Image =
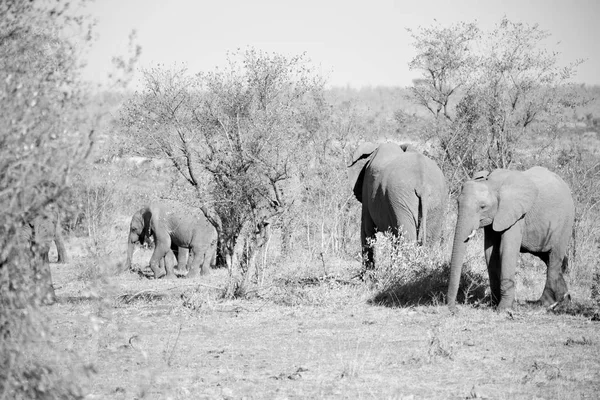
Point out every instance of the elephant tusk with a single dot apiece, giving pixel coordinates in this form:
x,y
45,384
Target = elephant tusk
x,y
471,235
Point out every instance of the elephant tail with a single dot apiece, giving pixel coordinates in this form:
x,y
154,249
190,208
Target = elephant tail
x,y
422,198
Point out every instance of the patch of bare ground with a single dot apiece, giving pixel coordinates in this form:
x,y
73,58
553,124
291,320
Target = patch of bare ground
x,y
311,338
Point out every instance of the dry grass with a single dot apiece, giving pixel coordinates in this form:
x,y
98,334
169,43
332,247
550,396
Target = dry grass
x,y
307,334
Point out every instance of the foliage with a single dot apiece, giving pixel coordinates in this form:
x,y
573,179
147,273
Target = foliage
x,y
579,166
504,84
444,56
39,146
408,274
237,136
45,136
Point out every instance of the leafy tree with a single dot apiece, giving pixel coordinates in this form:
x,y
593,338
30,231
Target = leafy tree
x,y
506,87
445,57
46,133
237,136
42,141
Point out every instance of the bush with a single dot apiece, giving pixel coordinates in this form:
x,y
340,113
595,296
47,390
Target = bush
x,y
407,274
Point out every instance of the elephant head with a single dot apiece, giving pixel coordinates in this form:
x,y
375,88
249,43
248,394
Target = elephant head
x,y
140,232
361,157
498,199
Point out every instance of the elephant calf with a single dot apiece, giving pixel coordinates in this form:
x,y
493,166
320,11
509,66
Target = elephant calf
x,y
139,234
400,190
174,229
520,211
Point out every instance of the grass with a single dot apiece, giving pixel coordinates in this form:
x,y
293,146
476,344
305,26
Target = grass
x,y
312,330
307,334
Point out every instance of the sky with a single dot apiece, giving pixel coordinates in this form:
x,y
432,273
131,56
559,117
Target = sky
x,y
352,43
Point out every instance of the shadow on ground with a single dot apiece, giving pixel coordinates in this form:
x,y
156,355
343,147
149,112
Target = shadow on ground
x,y
589,309
430,287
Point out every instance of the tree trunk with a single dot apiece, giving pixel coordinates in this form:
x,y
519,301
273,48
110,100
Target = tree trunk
x,y
60,246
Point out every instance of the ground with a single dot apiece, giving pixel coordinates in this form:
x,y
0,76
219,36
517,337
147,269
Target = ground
x,y
160,339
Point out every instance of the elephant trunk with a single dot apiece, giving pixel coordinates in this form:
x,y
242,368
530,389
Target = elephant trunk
x,y
133,239
464,231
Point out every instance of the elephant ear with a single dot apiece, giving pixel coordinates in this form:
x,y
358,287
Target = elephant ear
x,y
516,196
356,170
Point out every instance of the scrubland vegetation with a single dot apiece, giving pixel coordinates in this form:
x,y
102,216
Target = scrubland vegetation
x,y
262,148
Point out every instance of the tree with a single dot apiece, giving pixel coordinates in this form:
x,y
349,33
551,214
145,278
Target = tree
x,y
506,86
445,57
42,141
236,136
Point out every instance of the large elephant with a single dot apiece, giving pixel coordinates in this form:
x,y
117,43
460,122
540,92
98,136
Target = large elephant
x,y
172,227
400,190
528,211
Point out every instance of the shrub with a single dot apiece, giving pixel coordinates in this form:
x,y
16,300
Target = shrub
x,y
408,274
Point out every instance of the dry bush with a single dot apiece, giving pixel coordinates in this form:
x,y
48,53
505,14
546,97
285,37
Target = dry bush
x,y
407,274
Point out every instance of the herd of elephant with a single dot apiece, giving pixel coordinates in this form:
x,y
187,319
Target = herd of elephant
x,y
405,192
532,211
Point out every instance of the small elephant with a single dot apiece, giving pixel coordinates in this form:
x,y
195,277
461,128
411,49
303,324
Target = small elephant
x,y
139,234
400,190
528,211
173,226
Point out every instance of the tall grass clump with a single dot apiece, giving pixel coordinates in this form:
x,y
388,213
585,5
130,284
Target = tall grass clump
x,y
407,274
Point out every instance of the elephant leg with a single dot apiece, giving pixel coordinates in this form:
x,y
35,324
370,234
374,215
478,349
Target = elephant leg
x,y
160,250
555,289
510,245
492,259
182,258
367,234
169,261
199,256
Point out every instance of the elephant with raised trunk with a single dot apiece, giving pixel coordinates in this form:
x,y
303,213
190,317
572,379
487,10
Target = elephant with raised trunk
x,y
173,227
528,211
400,190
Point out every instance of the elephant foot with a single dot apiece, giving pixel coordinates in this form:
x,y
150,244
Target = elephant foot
x,y
505,305
159,274
551,302
192,274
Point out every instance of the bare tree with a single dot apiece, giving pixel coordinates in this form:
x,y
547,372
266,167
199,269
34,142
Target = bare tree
x,y
235,135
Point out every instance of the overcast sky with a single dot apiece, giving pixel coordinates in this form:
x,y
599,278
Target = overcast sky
x,y
356,43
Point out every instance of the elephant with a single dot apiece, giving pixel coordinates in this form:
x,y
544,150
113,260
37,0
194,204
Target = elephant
x,y
528,211
173,227
400,190
139,233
